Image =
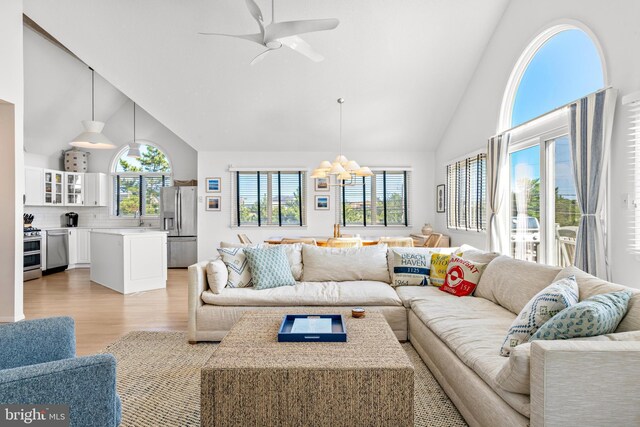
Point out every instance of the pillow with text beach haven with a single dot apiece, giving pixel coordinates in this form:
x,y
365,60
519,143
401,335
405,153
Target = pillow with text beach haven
x,y
462,276
438,271
410,267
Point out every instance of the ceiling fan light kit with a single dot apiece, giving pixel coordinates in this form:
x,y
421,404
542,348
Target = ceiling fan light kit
x,y
92,137
344,170
277,34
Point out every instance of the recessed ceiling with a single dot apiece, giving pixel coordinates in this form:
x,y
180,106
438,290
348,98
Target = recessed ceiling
x,y
402,67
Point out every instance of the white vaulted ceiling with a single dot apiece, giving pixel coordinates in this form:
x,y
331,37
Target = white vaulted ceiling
x,y
402,67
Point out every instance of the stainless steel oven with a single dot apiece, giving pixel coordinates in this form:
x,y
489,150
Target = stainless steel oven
x,y
32,257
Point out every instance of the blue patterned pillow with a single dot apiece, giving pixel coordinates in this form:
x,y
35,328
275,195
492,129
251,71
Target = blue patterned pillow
x,y
597,315
543,306
236,262
269,267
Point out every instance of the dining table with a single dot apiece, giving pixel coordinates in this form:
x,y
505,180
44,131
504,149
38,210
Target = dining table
x,y
322,240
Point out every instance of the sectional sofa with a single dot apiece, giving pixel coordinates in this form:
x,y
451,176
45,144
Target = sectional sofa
x,y
591,381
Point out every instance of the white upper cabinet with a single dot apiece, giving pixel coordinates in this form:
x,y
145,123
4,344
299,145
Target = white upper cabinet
x,y
74,189
33,194
96,189
53,187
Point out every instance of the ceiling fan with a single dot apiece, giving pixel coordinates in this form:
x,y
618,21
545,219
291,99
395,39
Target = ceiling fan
x,y
277,34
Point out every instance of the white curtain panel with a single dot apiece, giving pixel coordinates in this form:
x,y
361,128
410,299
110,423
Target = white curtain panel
x,y
497,189
591,122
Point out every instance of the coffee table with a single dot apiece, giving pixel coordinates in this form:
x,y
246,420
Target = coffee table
x,y
253,380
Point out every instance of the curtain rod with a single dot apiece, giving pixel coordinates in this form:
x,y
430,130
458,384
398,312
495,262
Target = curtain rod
x,y
555,110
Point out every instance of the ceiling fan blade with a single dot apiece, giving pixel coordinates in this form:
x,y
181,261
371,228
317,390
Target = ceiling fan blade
x,y
302,47
255,11
260,57
257,38
278,30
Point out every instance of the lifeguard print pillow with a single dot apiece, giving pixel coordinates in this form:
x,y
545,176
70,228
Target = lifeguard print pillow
x,y
462,276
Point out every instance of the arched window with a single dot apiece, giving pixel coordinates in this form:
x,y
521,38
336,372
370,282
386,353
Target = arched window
x,y
561,65
137,181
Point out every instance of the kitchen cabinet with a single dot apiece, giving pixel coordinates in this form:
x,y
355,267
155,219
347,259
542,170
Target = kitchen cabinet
x,y
53,188
79,246
83,246
74,189
73,246
96,186
33,184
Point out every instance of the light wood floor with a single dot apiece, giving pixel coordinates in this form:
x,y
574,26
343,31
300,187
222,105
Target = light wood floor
x,y
103,315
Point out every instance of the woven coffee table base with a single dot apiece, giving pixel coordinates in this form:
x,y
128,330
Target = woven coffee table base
x,y
252,380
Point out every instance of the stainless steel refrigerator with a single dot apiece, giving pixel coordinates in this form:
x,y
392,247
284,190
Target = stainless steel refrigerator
x,y
179,216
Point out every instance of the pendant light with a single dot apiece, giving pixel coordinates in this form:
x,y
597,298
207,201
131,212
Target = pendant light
x,y
134,147
92,137
344,170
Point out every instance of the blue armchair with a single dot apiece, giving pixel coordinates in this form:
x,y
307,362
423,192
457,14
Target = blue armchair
x,y
38,365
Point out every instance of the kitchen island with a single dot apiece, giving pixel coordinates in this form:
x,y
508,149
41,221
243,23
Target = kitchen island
x,y
129,260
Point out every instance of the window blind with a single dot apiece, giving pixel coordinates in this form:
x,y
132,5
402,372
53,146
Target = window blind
x,y
633,106
269,198
467,194
378,200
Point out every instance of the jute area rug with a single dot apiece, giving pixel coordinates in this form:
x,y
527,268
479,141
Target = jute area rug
x,y
159,382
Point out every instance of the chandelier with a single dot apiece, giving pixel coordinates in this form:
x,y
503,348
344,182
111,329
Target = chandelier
x,y
343,170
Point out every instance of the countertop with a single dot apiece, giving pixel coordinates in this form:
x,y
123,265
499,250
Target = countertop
x,y
99,228
128,231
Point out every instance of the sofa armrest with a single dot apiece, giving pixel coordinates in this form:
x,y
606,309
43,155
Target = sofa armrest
x,y
37,341
585,383
86,384
197,285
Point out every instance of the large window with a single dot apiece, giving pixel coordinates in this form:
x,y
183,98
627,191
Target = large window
x,y
467,194
269,198
562,65
378,200
137,182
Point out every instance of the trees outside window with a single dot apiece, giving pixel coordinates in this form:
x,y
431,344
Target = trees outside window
x,y
137,182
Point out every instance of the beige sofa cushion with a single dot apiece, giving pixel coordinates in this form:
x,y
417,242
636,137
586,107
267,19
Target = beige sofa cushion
x,y
345,264
408,294
512,283
365,293
217,275
473,328
590,285
514,375
294,256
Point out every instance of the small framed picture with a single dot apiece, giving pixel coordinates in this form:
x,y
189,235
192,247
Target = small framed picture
x,y
322,184
213,203
322,203
441,198
213,185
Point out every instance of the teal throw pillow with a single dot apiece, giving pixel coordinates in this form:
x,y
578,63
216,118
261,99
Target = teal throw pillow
x,y
269,267
597,315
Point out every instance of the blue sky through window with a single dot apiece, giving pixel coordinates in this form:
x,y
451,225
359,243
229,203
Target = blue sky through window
x,y
565,68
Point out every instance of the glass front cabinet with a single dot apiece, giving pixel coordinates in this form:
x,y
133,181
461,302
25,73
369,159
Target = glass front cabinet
x,y
74,189
53,187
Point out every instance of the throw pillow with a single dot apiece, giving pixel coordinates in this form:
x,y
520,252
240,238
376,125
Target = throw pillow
x,y
269,267
217,275
462,276
410,267
439,263
294,255
236,262
542,307
597,315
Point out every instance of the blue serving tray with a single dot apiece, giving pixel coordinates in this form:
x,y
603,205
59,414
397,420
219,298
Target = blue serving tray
x,y
338,334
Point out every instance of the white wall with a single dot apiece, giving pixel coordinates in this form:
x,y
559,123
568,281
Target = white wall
x,y
615,24
11,161
214,227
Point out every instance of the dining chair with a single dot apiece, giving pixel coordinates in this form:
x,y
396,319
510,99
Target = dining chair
x,y
397,242
305,240
433,241
244,239
344,242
